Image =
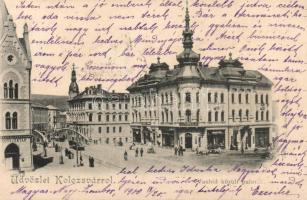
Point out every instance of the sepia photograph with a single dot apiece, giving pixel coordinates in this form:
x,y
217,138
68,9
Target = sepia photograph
x,y
163,99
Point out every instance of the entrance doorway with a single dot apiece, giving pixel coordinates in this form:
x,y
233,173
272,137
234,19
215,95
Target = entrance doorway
x,y
12,152
188,140
262,137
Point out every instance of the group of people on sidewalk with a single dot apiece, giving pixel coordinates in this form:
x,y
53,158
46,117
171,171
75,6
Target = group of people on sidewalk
x,y
178,150
136,153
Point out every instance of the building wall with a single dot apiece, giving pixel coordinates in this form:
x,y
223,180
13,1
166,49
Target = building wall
x,y
204,99
15,71
102,119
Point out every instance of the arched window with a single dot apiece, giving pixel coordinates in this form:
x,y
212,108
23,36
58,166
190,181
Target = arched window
x,y
222,97
166,116
197,115
90,117
171,114
209,116
188,115
132,117
256,98
246,98
267,99
11,89
215,97
257,115
261,99
188,97
8,120
5,90
162,98
16,91
233,115
240,98
222,116
240,114
247,115
216,116
14,121
262,115
267,115
166,98
140,117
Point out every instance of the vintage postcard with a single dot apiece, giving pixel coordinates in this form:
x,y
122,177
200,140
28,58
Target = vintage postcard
x,y
153,99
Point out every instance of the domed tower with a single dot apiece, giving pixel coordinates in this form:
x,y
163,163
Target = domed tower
x,y
73,87
188,60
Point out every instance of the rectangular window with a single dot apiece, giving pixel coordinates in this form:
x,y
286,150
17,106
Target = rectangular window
x,y
119,106
119,118
197,97
107,118
126,106
107,106
90,106
209,97
113,117
99,118
114,129
99,106
222,97
99,129
120,129
113,106
126,117
108,129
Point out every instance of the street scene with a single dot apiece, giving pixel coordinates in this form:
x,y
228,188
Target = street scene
x,y
186,114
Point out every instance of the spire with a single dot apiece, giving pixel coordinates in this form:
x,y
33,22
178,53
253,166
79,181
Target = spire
x,y
3,16
73,88
73,74
187,33
188,56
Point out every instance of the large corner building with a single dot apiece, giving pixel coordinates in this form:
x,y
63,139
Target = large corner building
x,y
99,115
202,107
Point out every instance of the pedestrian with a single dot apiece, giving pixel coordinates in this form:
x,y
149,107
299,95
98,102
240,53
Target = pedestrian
x,y
141,152
176,150
126,155
136,152
181,150
81,161
90,161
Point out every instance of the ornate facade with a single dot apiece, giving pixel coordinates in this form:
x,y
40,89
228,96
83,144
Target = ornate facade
x,y
15,126
202,107
100,115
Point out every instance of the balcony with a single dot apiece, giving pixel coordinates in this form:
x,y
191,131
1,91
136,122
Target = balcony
x,y
188,123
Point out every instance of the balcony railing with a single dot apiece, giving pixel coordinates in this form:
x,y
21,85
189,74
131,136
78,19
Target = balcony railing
x,y
188,123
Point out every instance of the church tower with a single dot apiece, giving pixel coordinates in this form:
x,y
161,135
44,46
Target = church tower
x,y
73,87
15,76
